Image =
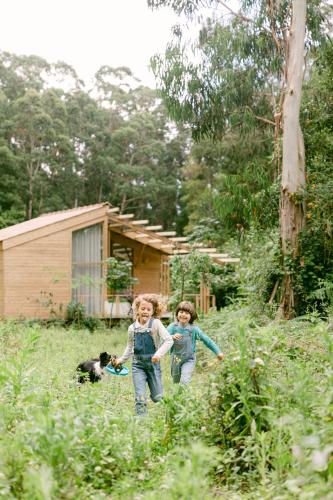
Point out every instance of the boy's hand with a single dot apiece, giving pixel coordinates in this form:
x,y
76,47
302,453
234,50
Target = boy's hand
x,y
155,359
177,336
220,356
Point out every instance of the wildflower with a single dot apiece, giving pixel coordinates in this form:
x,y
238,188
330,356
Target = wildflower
x,y
259,361
320,458
297,451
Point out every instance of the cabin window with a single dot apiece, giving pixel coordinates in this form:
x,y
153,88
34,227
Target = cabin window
x,y
87,272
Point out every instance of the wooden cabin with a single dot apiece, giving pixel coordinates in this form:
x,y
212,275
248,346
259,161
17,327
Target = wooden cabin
x,y
59,257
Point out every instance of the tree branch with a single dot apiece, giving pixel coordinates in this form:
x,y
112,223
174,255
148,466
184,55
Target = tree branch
x,y
236,14
241,16
265,120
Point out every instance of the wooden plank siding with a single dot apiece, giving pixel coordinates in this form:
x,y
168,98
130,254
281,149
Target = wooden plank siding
x,y
1,283
106,254
146,265
38,277
165,277
148,274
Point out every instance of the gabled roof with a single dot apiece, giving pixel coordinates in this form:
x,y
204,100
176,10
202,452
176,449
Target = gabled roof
x,y
165,241
45,220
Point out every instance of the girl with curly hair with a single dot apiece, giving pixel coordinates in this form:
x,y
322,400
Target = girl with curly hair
x,y
148,341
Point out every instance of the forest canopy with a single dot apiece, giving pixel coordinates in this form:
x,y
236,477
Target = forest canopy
x,y
63,146
202,154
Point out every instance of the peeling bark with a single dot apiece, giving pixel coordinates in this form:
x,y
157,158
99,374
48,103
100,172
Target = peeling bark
x,y
293,159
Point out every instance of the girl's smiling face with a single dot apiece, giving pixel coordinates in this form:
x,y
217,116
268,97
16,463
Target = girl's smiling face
x,y
183,317
145,312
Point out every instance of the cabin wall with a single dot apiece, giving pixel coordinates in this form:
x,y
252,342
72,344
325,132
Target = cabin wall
x,y
146,265
1,281
37,277
147,268
37,273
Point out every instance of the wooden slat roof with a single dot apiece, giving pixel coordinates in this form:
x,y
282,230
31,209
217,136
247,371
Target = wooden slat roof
x,y
164,241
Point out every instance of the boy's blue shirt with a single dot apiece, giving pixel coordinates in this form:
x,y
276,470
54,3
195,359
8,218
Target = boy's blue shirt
x,y
197,334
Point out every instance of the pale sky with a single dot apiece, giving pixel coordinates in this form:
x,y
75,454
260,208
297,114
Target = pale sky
x,y
87,33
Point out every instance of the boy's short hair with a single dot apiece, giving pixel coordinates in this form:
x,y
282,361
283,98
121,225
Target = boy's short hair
x,y
187,306
156,301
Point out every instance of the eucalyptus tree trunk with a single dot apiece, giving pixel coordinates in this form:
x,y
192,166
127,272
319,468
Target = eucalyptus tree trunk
x,y
293,161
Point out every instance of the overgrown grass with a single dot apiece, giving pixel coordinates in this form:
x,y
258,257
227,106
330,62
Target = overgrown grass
x,y
258,425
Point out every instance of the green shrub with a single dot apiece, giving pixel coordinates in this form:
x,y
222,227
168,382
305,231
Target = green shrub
x,y
75,312
76,316
119,274
182,417
239,397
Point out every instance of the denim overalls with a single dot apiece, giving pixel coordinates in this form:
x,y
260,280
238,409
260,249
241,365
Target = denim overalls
x,y
182,356
144,370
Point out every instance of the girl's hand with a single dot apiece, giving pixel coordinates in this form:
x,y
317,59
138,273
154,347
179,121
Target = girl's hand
x,y
177,336
220,356
116,362
155,359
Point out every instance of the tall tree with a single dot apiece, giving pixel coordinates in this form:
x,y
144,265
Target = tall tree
x,y
256,58
34,126
62,146
146,149
37,140
292,210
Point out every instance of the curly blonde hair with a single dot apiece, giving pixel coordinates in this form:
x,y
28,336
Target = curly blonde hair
x,y
156,301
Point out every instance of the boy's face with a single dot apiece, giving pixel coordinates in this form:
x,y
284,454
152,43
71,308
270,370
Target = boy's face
x,y
183,316
145,312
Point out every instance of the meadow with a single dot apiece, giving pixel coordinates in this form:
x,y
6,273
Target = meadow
x,y
257,425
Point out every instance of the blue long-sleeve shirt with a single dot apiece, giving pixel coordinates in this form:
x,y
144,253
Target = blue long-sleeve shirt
x,y
197,334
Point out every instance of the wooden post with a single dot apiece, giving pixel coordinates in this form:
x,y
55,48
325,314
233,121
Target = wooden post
x,y
105,255
117,309
203,298
165,278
